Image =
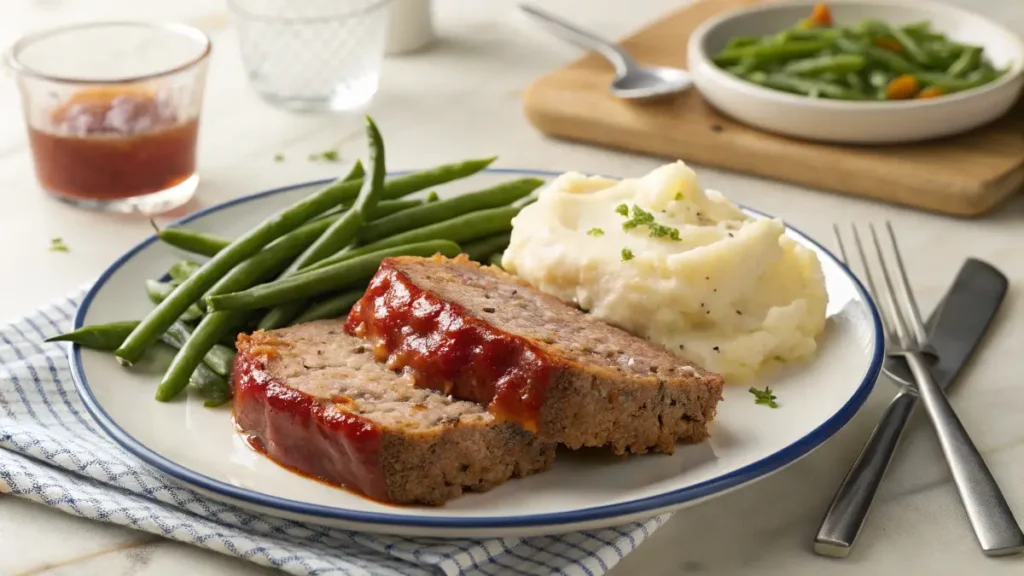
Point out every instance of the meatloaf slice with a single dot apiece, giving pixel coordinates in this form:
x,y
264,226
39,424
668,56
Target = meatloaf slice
x,y
481,334
314,400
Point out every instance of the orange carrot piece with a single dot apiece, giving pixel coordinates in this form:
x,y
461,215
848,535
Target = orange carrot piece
x,y
889,44
821,15
930,92
901,88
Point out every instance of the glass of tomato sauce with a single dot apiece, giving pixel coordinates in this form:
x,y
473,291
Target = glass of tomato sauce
x,y
112,110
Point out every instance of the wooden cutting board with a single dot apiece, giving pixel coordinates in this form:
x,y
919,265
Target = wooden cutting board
x,y
966,175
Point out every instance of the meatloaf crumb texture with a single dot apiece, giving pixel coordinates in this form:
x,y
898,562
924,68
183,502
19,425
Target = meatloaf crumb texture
x,y
313,399
486,336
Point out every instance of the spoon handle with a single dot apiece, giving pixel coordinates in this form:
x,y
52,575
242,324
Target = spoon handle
x,y
622,62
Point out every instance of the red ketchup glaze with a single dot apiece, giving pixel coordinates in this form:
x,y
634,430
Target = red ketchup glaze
x,y
304,434
448,349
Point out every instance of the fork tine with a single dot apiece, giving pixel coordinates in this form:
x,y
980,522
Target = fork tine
x,y
870,281
898,323
839,241
908,295
868,277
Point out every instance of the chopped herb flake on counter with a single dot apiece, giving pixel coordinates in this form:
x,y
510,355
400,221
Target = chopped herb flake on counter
x,y
57,245
766,397
627,254
279,157
595,232
325,156
623,210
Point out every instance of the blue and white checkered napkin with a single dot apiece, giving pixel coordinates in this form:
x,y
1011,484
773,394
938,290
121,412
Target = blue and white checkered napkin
x,y
52,452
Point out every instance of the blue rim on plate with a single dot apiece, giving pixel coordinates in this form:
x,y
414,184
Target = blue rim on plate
x,y
722,483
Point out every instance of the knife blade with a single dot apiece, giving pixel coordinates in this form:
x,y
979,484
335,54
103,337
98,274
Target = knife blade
x,y
955,328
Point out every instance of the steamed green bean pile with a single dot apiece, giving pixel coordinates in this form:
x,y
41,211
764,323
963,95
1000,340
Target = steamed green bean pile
x,y
309,261
870,60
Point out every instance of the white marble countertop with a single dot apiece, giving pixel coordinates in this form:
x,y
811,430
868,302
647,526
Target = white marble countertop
x,y
461,98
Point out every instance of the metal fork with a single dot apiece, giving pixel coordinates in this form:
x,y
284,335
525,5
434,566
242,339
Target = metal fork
x,y
993,522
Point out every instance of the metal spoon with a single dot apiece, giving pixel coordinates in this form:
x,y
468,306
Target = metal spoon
x,y
632,81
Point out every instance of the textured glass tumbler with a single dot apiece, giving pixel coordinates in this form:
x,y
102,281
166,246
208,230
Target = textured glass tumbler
x,y
313,55
112,110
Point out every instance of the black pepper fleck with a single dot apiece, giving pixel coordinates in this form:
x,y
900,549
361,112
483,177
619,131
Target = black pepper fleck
x,y
680,346
730,235
717,128
738,313
715,348
488,309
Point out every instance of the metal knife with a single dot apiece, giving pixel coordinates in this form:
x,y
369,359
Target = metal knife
x,y
955,328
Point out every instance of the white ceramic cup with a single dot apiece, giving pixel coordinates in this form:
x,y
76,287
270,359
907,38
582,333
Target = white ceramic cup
x,y
410,26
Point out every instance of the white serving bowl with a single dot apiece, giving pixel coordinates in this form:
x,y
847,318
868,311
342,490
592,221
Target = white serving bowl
x,y
841,121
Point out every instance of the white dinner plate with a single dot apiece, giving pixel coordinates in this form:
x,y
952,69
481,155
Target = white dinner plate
x,y
199,447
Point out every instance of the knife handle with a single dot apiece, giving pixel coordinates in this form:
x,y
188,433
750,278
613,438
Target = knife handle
x,y
990,515
852,501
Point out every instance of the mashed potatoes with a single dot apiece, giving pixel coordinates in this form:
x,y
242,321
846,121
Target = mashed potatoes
x,y
678,265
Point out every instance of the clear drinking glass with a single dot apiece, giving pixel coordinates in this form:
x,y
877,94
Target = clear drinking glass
x,y
112,110
313,55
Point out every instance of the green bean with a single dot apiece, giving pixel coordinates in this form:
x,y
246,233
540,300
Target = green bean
x,y
277,225
344,229
745,66
807,86
839,64
158,291
911,47
201,243
105,337
341,233
495,259
480,249
181,270
741,41
856,83
212,327
769,52
951,84
792,34
216,326
494,197
332,307
942,54
968,61
211,386
219,357
208,382
465,228
325,280
209,244
884,57
924,26
879,78
355,173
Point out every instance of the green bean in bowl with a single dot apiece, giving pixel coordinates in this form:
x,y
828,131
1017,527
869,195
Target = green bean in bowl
x,y
870,60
